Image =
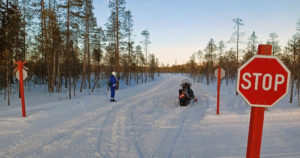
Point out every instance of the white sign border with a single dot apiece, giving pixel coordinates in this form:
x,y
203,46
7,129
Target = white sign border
x,y
24,74
216,72
263,56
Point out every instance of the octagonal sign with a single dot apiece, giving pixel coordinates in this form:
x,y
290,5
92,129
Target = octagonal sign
x,y
263,81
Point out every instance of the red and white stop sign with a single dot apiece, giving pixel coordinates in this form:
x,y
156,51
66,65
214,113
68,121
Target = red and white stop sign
x,y
263,81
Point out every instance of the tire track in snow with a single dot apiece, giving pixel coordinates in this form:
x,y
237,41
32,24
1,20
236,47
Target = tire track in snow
x,y
61,135
204,102
170,138
123,107
133,130
52,135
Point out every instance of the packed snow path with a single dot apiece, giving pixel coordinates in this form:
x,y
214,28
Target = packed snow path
x,y
145,122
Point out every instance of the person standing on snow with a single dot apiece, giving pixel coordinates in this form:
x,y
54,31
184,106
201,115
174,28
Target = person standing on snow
x,y
113,84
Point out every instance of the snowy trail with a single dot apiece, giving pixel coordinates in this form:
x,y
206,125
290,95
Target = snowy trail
x,y
121,137
56,129
145,123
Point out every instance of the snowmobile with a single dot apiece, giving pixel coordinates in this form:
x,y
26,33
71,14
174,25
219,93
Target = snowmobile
x,y
186,94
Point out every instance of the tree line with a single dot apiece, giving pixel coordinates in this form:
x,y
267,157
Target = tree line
x,y
63,44
203,63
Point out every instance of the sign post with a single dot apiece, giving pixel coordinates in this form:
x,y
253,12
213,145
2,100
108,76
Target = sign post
x,y
219,73
262,81
21,77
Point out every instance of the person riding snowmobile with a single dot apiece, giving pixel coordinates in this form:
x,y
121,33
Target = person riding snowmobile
x,y
186,94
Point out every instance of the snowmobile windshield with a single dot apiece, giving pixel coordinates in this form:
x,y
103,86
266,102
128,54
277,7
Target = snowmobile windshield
x,y
185,82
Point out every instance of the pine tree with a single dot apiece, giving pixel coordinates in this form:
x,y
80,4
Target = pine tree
x,y
298,62
97,44
11,39
27,20
71,10
274,42
90,24
49,42
293,47
140,62
117,13
128,29
237,34
231,65
110,58
192,66
146,41
55,53
2,44
221,48
210,56
251,47
152,65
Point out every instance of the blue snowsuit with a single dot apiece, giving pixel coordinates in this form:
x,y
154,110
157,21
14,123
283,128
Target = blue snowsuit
x,y
113,85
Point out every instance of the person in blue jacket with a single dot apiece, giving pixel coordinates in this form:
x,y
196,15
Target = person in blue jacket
x,y
113,84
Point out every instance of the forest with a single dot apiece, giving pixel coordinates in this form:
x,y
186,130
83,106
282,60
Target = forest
x,y
63,45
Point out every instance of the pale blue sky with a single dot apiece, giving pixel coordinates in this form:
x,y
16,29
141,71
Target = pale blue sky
x,y
178,28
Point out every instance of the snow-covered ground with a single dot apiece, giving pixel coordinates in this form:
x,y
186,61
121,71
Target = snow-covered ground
x,y
144,122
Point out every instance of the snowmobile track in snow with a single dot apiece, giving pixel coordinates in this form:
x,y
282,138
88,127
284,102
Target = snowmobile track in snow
x,y
53,137
120,115
171,136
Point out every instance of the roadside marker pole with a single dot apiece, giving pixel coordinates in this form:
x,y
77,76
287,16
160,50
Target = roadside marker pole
x,y
218,97
20,69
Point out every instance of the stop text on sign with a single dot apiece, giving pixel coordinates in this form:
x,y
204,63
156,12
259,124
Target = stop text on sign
x,y
263,81
268,81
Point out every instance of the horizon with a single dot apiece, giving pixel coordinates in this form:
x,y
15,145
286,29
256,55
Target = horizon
x,y
178,29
